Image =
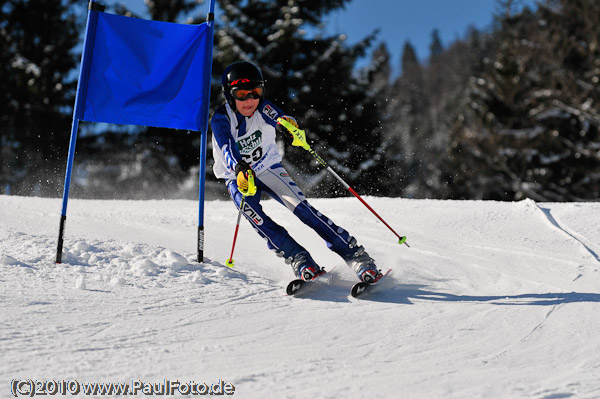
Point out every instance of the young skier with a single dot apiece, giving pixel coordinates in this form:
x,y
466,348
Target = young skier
x,y
244,139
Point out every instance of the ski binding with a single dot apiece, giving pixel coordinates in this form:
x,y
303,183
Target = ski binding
x,y
361,287
296,285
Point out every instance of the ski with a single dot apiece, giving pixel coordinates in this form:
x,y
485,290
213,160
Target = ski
x,y
361,287
296,285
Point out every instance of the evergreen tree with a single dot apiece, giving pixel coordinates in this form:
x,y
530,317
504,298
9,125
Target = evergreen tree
x,y
570,158
412,83
493,148
446,82
379,74
536,106
379,70
405,126
311,77
170,10
37,38
435,48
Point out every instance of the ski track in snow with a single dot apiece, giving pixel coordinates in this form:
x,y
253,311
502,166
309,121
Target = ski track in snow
x,y
494,300
577,237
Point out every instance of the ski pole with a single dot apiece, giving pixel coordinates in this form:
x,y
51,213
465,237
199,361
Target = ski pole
x,y
300,141
250,191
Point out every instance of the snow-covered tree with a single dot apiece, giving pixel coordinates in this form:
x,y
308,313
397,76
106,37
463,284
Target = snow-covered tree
x,y
37,38
536,106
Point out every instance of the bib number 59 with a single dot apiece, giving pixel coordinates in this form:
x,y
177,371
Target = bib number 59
x,y
256,155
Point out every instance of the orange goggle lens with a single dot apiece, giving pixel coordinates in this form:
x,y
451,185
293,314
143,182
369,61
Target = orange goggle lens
x,y
244,94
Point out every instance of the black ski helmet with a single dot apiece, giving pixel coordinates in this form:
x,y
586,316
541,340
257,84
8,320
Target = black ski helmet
x,y
242,74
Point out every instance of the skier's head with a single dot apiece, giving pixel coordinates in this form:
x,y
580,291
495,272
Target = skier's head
x,y
242,81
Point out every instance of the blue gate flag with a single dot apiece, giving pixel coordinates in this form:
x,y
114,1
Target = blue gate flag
x,y
148,73
140,72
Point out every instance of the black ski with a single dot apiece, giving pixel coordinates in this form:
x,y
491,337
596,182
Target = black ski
x,y
296,285
360,288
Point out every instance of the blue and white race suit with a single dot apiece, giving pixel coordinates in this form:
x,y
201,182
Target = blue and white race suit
x,y
236,137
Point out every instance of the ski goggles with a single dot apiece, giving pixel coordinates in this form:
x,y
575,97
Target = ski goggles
x,y
244,94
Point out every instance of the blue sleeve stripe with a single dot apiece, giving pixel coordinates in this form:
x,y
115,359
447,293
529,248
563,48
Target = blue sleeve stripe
x,y
229,157
222,133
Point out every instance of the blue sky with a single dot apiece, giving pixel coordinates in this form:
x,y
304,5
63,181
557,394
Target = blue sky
x,y
414,20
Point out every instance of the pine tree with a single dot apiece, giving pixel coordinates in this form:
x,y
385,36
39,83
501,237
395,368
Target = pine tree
x,y
405,126
379,74
379,70
37,38
570,159
446,81
312,77
499,148
536,106
435,48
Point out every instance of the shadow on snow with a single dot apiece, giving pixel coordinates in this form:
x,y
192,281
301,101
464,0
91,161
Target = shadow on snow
x,y
406,293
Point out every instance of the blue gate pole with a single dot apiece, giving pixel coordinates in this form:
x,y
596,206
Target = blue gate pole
x,y
210,20
88,44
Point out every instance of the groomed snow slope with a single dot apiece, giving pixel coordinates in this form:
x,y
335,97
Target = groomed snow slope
x,y
492,300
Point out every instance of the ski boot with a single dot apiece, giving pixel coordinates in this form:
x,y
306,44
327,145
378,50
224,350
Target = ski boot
x,y
305,267
364,265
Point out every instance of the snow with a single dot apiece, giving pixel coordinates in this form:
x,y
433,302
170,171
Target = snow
x,y
491,300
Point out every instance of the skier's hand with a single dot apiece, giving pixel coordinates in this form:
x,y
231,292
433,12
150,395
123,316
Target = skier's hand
x,y
282,129
241,171
290,120
291,126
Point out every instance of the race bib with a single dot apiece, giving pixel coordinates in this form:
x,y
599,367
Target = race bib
x,y
250,147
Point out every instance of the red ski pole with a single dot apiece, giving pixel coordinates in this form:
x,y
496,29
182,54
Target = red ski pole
x,y
251,191
300,141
